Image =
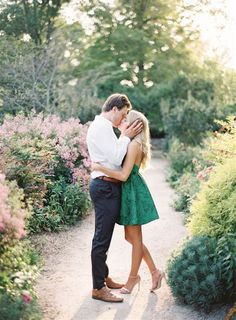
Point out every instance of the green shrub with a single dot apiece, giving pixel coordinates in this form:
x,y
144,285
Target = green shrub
x,y
65,205
189,120
36,152
29,160
180,158
203,271
13,212
18,267
213,212
222,144
186,189
18,260
17,309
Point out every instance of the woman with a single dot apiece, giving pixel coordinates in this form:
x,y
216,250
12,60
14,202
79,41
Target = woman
x,y
137,206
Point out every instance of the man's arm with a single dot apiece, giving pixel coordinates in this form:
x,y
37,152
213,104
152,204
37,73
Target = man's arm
x,y
110,147
124,173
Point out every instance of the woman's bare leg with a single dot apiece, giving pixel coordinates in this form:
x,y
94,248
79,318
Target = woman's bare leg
x,y
133,234
148,259
146,256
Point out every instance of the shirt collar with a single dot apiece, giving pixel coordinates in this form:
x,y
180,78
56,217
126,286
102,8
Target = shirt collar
x,y
101,118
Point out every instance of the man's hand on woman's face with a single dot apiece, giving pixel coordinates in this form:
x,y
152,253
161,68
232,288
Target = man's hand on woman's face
x,y
135,128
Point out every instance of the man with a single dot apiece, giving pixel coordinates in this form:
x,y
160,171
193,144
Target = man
x,y
104,147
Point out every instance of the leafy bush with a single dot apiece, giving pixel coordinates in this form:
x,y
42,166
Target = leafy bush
x,y
222,144
18,269
180,159
38,152
186,189
213,212
203,271
180,87
18,308
189,120
12,211
29,160
65,204
18,261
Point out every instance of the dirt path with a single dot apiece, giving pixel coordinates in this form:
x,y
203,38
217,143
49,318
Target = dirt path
x,y
65,284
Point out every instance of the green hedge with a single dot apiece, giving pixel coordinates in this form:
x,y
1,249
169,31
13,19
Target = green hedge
x,y
203,271
213,212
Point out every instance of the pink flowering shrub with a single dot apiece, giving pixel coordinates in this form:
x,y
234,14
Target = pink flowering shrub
x,y
18,267
19,270
12,211
39,151
67,138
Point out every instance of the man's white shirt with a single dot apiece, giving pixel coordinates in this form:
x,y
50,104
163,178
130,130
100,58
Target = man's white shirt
x,y
103,145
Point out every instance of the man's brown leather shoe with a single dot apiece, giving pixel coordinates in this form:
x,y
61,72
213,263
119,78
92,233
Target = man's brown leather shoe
x,y
105,295
113,285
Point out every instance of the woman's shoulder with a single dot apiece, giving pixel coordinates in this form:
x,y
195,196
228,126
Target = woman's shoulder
x,y
134,145
134,148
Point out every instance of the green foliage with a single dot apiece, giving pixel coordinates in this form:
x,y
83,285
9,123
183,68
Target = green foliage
x,y
65,204
49,160
15,309
139,38
202,273
29,160
18,260
213,212
138,43
180,158
14,212
224,85
186,189
19,267
222,145
148,102
183,86
36,18
188,120
62,199
30,77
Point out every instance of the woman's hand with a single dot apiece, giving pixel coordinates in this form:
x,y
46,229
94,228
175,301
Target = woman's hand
x,y
95,166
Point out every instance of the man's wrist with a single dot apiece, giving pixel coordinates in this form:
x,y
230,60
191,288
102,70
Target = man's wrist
x,y
124,136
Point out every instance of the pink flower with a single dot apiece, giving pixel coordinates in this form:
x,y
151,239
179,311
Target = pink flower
x,y
26,297
200,175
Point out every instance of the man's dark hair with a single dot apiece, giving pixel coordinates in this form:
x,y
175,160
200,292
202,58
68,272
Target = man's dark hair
x,y
116,100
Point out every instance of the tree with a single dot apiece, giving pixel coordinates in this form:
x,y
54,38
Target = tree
x,y
28,76
33,17
149,41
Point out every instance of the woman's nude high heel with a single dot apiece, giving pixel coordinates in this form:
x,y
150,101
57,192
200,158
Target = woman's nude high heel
x,y
157,277
135,280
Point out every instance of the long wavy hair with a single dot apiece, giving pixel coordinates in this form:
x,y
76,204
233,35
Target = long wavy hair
x,y
143,137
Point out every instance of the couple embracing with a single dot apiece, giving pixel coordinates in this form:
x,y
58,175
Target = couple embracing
x,y
119,193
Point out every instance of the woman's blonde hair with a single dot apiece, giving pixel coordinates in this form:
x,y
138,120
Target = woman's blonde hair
x,y
144,137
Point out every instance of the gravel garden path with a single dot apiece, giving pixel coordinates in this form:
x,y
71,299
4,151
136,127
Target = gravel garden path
x,y
64,286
